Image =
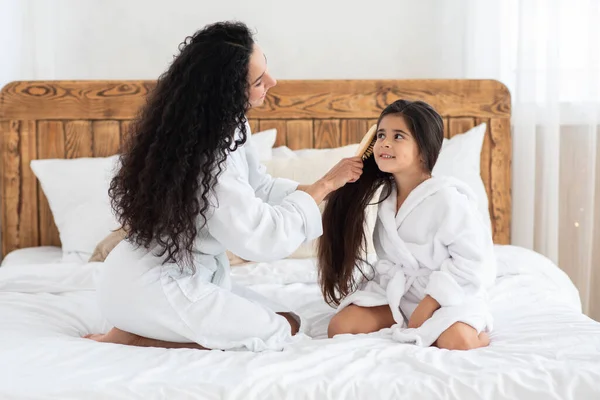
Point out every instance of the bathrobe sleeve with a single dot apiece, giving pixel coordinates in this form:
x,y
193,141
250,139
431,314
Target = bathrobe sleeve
x,y
248,226
470,267
269,189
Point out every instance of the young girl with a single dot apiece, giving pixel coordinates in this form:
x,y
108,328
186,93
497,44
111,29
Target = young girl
x,y
190,187
435,255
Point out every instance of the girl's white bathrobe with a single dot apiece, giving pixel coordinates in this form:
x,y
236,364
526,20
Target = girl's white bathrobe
x,y
254,216
437,245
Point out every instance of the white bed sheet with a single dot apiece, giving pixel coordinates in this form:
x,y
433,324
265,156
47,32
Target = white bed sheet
x,y
542,346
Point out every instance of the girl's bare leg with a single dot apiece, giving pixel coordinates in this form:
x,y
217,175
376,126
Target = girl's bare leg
x,y
355,319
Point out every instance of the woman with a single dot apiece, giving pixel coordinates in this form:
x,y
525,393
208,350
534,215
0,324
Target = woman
x,y
190,187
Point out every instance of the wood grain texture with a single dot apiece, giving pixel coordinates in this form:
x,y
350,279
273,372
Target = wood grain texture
x,y
446,128
78,139
353,130
485,160
4,131
291,99
107,138
50,144
11,184
126,127
367,98
299,134
83,100
28,234
500,178
67,119
327,134
460,125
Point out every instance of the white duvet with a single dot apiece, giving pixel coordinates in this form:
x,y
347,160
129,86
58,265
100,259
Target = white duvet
x,y
542,346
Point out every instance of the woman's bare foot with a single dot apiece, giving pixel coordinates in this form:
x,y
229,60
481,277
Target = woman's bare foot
x,y
118,336
95,336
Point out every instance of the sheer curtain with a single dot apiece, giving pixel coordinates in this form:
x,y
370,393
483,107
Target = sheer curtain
x,y
548,54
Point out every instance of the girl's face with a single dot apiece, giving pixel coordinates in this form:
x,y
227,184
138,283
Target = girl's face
x,y
259,79
395,150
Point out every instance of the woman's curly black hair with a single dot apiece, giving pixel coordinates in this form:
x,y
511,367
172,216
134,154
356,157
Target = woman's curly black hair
x,y
180,139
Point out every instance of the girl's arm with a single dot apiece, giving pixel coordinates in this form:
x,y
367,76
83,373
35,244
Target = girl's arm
x,y
423,312
470,267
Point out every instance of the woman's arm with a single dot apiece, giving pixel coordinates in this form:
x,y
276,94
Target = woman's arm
x,y
346,171
257,231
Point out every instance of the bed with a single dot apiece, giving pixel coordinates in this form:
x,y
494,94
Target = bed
x,y
542,345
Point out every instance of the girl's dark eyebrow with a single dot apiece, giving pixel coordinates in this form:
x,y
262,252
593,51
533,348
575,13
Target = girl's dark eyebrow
x,y
394,130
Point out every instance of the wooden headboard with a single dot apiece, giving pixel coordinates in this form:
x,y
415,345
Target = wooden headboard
x,y
69,119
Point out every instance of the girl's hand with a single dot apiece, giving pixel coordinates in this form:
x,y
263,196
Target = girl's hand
x,y
423,312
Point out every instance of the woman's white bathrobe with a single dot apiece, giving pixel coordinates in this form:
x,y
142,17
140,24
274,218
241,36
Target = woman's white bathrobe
x,y
254,216
435,245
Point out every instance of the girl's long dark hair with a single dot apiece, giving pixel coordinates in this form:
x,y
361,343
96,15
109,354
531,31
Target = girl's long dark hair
x,y
180,140
341,248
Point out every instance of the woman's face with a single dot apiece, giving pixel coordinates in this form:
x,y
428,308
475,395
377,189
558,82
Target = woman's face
x,y
259,79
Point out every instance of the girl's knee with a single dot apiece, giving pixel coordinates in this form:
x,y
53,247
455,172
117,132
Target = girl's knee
x,y
462,337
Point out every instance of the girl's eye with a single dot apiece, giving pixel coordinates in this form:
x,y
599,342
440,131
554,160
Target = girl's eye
x,y
380,136
398,136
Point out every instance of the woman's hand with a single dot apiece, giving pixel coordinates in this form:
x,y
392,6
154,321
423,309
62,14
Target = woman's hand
x,y
347,170
423,312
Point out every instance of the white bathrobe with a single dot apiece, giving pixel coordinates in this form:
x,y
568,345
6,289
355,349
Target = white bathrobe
x,y
254,216
435,245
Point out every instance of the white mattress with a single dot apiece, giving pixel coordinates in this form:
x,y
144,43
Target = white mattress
x,y
542,346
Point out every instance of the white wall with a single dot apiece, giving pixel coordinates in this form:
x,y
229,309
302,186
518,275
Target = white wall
x,y
310,39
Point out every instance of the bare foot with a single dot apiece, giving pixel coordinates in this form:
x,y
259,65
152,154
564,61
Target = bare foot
x,y
95,336
118,336
484,339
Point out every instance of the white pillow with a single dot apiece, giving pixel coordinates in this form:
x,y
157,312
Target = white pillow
x,y
263,142
308,165
461,158
77,192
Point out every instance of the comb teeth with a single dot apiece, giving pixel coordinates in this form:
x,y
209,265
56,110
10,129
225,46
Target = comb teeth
x,y
369,151
365,147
